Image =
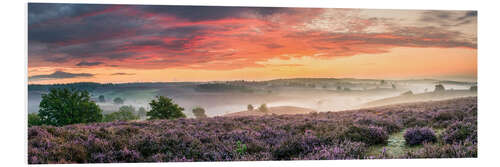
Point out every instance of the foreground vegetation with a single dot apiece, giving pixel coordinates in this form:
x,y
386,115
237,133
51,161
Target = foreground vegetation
x,y
435,129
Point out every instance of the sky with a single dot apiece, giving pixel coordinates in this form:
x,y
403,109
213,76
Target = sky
x,y
151,43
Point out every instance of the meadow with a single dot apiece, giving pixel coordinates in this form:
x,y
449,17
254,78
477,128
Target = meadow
x,y
435,129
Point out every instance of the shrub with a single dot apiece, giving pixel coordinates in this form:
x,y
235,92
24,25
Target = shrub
x,y
444,115
199,112
460,131
456,150
295,147
342,150
122,115
263,108
389,125
34,120
63,107
417,135
164,108
439,88
250,107
118,101
370,135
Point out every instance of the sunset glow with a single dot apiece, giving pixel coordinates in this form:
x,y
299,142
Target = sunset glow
x,y
139,43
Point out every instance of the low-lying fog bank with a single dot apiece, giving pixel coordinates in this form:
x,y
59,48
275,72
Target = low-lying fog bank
x,y
221,98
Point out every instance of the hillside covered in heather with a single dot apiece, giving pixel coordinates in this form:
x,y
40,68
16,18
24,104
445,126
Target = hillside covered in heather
x,y
436,129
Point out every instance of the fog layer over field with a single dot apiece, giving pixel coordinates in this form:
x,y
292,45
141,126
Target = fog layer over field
x,y
219,98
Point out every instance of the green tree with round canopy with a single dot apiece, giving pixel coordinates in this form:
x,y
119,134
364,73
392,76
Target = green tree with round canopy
x,y
199,112
64,106
164,108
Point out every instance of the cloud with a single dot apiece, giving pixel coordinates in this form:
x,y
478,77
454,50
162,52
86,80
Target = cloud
x,y
122,73
85,63
449,18
222,38
59,75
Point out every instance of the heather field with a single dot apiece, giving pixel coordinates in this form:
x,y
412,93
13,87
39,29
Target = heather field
x,y
436,129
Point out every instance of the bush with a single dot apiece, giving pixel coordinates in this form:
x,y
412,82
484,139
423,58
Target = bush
x,y
199,112
263,108
342,150
250,107
457,150
370,135
417,135
34,120
295,147
460,131
63,107
164,108
125,113
118,101
439,88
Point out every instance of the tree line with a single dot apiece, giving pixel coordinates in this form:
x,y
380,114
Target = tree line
x,y
64,106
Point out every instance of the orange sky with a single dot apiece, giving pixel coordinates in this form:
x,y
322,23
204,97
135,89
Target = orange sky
x,y
110,43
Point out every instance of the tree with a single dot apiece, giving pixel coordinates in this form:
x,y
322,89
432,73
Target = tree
x,y
164,108
118,101
125,113
439,88
128,108
393,86
250,107
34,120
263,108
382,82
141,112
102,99
199,112
63,107
473,88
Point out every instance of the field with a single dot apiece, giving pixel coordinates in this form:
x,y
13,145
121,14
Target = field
x,y
373,133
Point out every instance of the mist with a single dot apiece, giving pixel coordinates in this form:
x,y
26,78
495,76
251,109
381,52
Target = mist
x,y
320,95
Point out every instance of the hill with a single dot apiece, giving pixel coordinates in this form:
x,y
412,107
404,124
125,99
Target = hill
x,y
430,96
353,134
280,110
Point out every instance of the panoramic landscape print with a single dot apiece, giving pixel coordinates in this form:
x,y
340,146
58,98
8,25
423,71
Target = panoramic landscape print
x,y
161,83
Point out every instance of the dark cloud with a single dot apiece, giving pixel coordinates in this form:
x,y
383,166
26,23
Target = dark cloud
x,y
448,18
204,13
40,12
60,75
85,63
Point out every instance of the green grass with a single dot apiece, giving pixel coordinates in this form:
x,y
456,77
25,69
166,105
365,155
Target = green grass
x,y
396,145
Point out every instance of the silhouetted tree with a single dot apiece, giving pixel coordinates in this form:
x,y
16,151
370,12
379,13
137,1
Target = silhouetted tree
x,y
199,112
102,99
118,101
382,82
439,88
164,108
141,112
63,106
